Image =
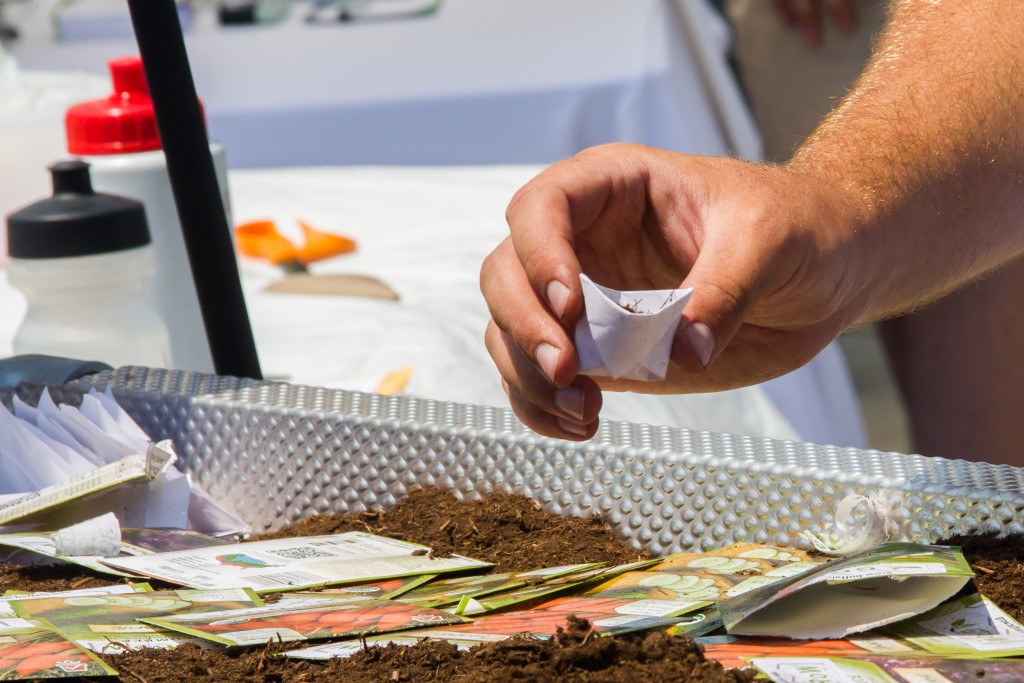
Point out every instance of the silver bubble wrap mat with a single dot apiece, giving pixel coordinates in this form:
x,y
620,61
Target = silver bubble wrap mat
x,y
279,452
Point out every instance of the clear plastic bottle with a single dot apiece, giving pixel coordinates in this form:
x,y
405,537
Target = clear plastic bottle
x,y
118,136
82,260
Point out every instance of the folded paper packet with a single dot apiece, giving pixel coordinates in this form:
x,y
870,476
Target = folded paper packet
x,y
627,335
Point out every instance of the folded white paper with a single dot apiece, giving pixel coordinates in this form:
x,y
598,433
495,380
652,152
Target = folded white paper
x,y
627,335
50,451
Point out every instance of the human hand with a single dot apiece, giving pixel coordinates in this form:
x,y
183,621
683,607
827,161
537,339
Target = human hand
x,y
807,16
771,256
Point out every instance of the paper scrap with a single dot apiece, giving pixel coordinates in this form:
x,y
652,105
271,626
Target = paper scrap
x,y
862,522
99,536
627,335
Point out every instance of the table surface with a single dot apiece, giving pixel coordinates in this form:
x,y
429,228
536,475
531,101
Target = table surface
x,y
481,81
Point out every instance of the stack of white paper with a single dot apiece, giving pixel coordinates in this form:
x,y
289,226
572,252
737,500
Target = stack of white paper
x,y
97,457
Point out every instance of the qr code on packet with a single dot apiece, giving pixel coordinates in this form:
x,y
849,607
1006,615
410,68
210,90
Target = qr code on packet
x,y
299,553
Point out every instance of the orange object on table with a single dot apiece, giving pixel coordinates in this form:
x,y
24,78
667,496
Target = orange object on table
x,y
261,240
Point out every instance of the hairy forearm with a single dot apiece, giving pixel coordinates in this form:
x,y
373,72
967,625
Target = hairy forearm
x,y
928,148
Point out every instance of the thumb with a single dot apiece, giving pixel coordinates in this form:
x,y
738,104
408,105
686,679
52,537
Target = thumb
x,y
712,316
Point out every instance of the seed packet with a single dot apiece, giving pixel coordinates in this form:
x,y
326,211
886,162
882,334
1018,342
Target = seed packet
x,y
856,593
444,592
971,626
386,589
301,619
887,669
109,623
30,649
290,564
7,611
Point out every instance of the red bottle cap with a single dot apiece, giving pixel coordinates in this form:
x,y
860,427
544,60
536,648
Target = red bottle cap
x,y
120,123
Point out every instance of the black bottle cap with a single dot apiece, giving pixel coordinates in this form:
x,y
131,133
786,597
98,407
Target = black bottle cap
x,y
76,221
235,13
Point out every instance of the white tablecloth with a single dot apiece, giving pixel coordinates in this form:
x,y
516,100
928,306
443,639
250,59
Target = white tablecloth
x,y
482,81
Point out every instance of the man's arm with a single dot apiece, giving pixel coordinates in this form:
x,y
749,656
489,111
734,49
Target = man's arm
x,y
930,144
912,188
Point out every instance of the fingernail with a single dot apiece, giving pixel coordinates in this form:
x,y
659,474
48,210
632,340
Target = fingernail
x,y
570,401
547,359
558,298
571,427
702,341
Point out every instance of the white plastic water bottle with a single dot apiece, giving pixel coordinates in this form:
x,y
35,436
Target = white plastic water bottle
x,y
82,259
118,136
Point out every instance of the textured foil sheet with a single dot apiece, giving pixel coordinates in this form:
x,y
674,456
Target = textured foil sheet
x,y
279,452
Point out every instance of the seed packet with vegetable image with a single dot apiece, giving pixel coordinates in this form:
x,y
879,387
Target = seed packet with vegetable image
x,y
444,592
476,633
606,616
7,611
888,670
530,595
109,623
971,626
386,589
30,649
856,593
701,579
295,563
305,619
736,652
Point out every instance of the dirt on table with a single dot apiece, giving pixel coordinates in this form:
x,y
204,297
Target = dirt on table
x,y
514,534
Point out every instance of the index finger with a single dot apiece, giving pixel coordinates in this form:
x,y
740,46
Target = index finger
x,y
547,213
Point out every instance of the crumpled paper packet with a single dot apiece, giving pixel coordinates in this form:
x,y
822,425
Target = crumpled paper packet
x,y
627,335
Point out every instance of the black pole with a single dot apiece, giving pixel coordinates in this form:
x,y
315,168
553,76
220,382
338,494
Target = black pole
x,y
194,182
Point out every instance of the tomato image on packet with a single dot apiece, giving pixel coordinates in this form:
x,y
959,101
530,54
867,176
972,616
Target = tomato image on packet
x,y
32,650
297,619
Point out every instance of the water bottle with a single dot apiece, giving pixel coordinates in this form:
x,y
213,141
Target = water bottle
x,y
118,136
82,260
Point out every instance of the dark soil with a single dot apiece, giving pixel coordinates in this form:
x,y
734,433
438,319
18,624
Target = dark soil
x,y
510,531
570,656
513,533
998,565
